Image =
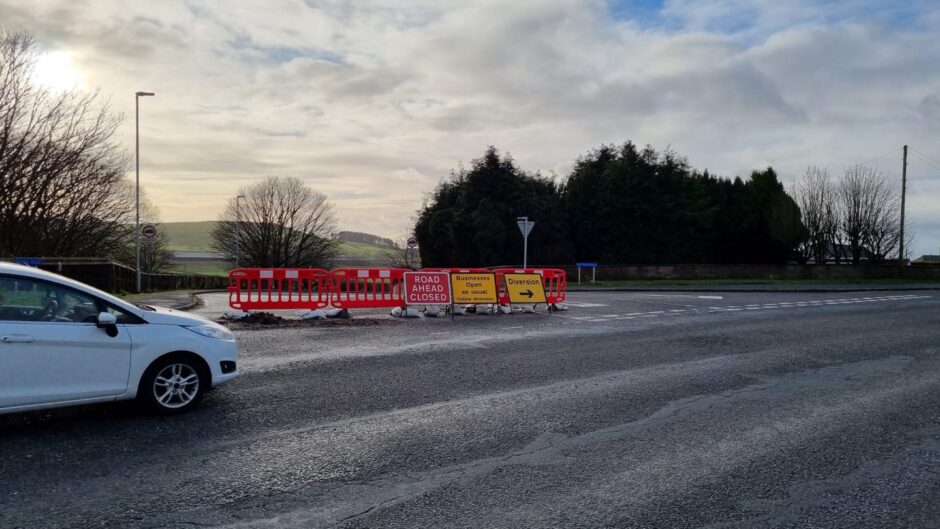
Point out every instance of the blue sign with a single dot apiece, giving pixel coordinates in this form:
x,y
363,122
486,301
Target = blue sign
x,y
28,261
586,265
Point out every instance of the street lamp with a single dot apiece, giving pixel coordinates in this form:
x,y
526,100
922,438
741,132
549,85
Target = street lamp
x,y
137,97
238,226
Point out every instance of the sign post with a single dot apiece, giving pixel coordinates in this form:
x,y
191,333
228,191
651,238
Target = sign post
x,y
474,289
592,266
525,226
410,251
148,231
525,288
427,288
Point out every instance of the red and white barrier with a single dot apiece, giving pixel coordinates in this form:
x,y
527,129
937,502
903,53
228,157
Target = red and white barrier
x,y
366,288
278,288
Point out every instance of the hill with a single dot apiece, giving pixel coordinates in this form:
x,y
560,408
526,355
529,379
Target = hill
x,y
355,248
365,238
187,236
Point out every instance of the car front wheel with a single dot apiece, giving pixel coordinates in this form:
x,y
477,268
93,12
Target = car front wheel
x,y
173,384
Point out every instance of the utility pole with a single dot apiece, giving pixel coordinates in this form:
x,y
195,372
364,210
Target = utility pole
x,y
903,197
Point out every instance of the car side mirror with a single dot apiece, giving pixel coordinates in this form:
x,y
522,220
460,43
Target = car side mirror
x,y
108,322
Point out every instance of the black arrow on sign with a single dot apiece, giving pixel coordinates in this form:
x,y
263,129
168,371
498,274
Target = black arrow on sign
x,y
527,293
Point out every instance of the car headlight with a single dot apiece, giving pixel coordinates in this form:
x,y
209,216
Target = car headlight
x,y
213,331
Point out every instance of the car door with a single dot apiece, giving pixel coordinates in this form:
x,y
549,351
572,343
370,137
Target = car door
x,y
51,349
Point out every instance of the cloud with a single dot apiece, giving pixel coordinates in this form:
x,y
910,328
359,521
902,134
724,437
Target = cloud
x,y
373,102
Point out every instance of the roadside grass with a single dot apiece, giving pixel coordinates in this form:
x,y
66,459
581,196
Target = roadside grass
x,y
206,268
729,282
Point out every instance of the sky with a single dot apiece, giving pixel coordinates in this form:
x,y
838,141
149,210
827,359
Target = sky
x,y
374,102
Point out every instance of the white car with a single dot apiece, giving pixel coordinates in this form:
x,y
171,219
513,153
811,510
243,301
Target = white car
x,y
64,343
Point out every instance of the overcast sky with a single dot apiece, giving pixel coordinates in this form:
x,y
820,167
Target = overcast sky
x,y
372,102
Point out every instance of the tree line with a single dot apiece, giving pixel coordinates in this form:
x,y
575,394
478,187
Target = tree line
x,y
627,205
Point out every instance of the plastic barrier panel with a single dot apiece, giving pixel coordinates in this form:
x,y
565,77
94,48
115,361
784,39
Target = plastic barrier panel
x,y
555,281
366,288
278,288
459,270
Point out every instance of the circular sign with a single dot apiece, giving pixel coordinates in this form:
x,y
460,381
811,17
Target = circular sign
x,y
148,231
412,242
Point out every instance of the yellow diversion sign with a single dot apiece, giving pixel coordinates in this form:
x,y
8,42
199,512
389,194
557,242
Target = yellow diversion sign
x,y
525,288
474,289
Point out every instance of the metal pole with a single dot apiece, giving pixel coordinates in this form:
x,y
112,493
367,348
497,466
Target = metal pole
x,y
525,244
137,187
903,196
525,249
238,226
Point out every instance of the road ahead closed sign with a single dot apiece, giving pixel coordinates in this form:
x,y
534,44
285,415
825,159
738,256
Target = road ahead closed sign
x,y
474,289
426,288
525,288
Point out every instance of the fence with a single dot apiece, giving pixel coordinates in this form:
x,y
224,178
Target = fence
x,y
114,277
278,288
757,271
353,288
359,288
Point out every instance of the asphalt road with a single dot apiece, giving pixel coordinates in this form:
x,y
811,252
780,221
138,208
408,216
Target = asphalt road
x,y
628,410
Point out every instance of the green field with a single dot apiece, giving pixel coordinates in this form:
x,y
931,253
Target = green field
x,y
187,236
194,237
207,268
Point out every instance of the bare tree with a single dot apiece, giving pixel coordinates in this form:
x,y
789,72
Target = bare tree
x,y
882,219
281,222
60,168
815,196
869,210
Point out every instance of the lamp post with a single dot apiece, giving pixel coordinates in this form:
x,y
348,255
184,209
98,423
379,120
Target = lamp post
x,y
238,227
137,97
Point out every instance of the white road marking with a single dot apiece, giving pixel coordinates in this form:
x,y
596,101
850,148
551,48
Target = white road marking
x,y
737,308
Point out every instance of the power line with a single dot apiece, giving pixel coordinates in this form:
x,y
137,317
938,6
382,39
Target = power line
x,y
925,155
885,155
926,159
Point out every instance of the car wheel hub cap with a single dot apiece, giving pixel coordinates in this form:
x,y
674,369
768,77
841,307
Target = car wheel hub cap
x,y
176,385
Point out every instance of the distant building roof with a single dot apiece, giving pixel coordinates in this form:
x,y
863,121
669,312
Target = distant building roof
x,y
928,259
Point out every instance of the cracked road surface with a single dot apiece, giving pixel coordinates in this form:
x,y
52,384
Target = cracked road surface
x,y
629,410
